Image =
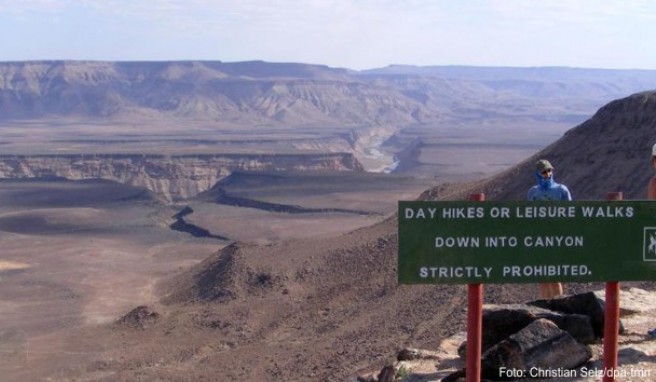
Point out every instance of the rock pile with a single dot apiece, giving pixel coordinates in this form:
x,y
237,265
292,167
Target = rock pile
x,y
140,317
548,340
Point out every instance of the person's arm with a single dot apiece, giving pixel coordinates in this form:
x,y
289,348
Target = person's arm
x,y
651,188
565,193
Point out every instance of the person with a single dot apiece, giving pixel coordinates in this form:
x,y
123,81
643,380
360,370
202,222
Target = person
x,y
547,189
651,195
651,187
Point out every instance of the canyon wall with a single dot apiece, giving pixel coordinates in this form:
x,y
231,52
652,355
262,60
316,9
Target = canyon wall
x,y
173,177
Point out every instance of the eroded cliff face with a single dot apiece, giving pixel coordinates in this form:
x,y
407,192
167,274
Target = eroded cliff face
x,y
173,177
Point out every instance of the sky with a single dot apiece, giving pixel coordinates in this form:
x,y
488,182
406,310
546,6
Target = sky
x,y
354,34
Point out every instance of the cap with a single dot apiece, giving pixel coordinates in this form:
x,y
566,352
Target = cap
x,y
542,165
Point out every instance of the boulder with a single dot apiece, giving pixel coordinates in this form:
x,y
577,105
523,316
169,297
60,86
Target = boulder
x,y
540,347
584,303
501,321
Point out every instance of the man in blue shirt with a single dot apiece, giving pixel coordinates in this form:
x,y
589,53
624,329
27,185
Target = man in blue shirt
x,y
547,189
651,186
651,195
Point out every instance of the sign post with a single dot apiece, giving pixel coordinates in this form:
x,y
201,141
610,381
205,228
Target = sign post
x,y
478,242
474,322
611,319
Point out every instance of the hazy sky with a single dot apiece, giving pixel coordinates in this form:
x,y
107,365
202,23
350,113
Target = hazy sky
x,y
356,34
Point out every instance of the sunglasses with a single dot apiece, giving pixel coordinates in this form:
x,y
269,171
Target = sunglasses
x,y
545,172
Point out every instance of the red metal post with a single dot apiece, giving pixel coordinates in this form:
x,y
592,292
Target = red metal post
x,y
474,323
611,319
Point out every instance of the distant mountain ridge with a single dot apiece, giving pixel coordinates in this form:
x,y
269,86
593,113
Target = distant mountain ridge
x,y
257,92
242,93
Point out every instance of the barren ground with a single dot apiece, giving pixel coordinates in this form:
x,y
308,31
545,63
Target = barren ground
x,y
76,256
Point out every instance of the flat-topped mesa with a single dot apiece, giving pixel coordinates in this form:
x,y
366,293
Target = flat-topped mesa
x,y
173,177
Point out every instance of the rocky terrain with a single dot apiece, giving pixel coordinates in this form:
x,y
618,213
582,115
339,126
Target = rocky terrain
x,y
345,318
309,308
172,177
149,123
330,309
636,355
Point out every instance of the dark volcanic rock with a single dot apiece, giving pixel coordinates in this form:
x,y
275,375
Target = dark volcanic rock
x,y
540,345
502,321
584,303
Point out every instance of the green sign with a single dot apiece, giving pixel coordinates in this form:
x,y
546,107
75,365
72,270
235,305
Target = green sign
x,y
516,242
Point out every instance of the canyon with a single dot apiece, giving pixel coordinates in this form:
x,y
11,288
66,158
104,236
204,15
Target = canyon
x,y
172,177
244,224
178,127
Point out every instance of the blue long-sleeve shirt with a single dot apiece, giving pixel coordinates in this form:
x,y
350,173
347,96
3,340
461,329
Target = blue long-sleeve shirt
x,y
555,191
